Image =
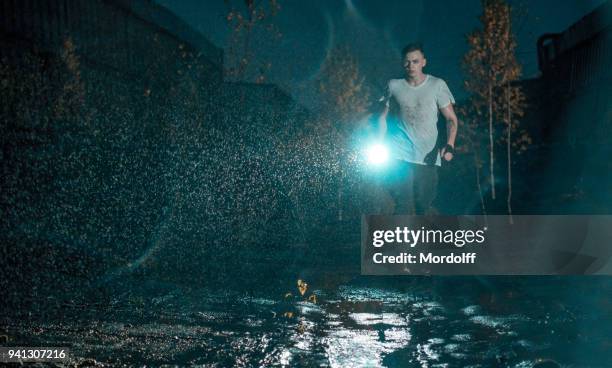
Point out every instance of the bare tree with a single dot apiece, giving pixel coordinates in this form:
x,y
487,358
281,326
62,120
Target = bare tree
x,y
491,68
470,142
484,63
344,97
246,20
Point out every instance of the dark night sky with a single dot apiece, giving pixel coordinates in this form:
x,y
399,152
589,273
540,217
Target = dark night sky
x,y
376,32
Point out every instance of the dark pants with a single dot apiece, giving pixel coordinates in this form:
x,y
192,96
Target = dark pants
x,y
413,187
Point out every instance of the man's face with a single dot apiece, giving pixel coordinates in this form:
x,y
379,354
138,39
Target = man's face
x,y
414,61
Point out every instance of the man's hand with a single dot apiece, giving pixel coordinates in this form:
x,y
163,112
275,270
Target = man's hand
x,y
447,152
451,129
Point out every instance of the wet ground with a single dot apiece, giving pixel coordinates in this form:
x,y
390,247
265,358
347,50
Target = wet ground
x,y
365,322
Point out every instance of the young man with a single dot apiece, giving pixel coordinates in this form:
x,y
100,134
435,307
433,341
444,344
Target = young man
x,y
412,133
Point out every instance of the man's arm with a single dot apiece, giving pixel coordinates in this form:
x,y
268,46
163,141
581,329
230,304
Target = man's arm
x,y
451,129
382,117
382,122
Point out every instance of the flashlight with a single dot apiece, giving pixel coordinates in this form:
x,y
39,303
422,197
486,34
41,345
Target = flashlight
x,y
377,154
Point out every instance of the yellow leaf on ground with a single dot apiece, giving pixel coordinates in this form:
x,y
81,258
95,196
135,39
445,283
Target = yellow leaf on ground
x,y
302,286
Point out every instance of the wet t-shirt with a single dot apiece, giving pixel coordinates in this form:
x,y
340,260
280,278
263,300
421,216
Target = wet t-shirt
x,y
413,132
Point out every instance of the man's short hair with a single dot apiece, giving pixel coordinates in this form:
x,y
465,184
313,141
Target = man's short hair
x,y
415,46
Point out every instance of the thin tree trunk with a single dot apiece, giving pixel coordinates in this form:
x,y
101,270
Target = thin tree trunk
x,y
509,151
482,203
491,143
245,53
340,203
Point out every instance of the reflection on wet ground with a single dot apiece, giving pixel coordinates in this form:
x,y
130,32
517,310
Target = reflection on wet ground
x,y
367,322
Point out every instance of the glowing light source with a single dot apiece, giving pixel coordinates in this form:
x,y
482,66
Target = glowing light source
x,y
377,154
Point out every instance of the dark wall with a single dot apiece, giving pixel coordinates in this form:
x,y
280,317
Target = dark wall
x,y
570,117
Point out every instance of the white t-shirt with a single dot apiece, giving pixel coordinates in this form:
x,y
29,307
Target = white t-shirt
x,y
414,133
